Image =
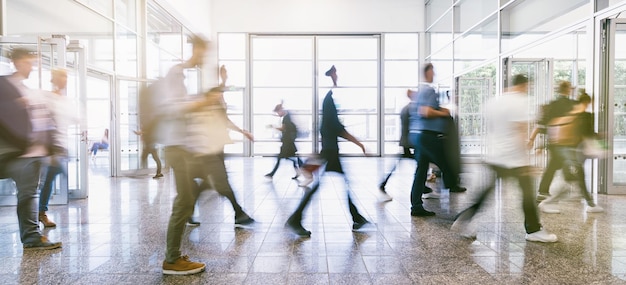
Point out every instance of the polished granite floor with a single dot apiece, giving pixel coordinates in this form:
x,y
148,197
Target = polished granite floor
x,y
117,236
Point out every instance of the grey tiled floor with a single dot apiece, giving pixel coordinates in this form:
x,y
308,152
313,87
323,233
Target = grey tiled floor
x,y
117,236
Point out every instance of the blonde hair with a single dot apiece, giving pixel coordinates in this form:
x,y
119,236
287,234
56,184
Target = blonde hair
x,y
57,71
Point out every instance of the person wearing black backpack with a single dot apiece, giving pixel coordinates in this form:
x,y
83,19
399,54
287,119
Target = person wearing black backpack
x,y
26,137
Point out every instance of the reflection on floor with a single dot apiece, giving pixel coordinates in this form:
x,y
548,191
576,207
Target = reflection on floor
x,y
117,236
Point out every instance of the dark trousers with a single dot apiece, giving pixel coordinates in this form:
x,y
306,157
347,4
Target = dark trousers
x,y
332,158
48,184
25,172
429,147
524,178
213,171
567,159
150,149
297,162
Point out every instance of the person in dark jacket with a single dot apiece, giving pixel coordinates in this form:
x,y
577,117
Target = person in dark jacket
x,y
288,149
331,129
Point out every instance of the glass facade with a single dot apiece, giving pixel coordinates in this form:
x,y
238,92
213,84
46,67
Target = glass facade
x,y
122,54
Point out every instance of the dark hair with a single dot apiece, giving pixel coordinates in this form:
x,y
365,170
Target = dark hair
x,y
198,42
427,67
20,53
519,79
583,97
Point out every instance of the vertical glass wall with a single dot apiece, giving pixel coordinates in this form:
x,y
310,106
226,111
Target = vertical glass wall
x,y
374,73
476,45
116,44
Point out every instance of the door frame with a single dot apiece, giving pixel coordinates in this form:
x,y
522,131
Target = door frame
x,y
606,90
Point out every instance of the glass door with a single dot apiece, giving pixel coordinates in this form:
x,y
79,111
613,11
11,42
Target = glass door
x,y
357,60
127,147
472,93
613,92
541,92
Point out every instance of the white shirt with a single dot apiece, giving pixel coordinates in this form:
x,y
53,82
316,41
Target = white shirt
x,y
172,100
506,141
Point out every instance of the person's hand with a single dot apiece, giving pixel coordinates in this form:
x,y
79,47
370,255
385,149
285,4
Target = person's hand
x,y
530,143
445,110
363,149
248,135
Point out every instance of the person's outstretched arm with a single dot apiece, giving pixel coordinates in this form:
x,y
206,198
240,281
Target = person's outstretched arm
x,y
346,135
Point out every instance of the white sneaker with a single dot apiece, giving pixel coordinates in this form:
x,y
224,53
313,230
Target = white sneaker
x,y
541,236
431,195
595,209
548,208
308,178
384,197
465,227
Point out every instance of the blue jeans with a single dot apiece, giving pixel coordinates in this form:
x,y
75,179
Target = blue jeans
x,y
46,189
25,172
567,159
96,146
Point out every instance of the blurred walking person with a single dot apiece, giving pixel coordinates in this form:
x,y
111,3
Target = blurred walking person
x,y
565,134
507,156
25,140
289,133
64,114
330,129
407,148
175,105
428,127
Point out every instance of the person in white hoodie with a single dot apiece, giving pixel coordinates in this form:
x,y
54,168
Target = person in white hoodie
x,y
507,156
65,114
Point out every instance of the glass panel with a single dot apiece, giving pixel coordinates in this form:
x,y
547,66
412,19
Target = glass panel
x,y
298,75
602,4
442,61
99,51
434,10
126,13
469,12
396,99
231,46
401,46
392,134
297,100
352,100
401,73
236,72
103,6
282,48
440,34
349,73
129,123
164,30
619,107
234,101
477,45
126,52
341,48
525,21
474,89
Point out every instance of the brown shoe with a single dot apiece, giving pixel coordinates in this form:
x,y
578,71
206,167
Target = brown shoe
x,y
43,218
182,266
43,243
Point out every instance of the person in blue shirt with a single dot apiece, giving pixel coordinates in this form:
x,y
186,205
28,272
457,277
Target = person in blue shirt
x,y
330,129
428,128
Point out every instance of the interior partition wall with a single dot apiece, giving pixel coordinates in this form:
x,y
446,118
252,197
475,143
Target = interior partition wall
x,y
374,70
